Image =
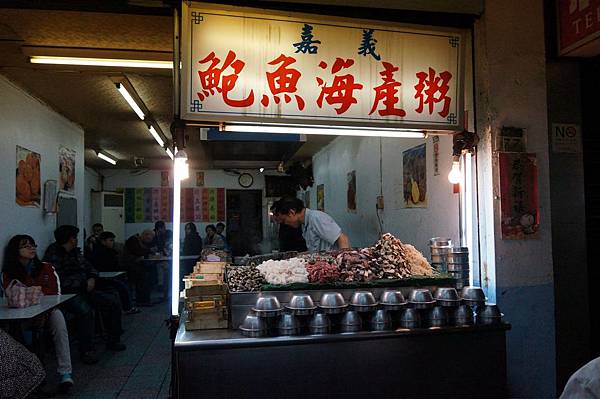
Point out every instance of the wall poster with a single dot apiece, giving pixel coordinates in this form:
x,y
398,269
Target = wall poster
x,y
519,195
164,178
414,168
351,191
321,197
151,204
199,179
66,170
28,181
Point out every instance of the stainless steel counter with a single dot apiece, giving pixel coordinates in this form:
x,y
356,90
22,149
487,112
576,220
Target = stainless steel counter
x,y
453,362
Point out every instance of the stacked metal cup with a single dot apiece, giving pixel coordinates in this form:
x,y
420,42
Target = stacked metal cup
x,y
440,247
458,265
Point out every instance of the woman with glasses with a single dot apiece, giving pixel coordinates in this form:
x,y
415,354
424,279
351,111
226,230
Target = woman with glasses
x,y
22,263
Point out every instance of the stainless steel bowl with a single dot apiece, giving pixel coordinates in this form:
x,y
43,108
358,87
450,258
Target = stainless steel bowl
x,y
421,298
363,301
267,306
254,326
301,305
410,318
437,317
463,316
288,325
440,242
490,315
381,321
319,324
351,322
473,295
392,300
446,296
332,300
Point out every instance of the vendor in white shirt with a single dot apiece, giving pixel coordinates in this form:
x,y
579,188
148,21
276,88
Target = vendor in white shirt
x,y
319,230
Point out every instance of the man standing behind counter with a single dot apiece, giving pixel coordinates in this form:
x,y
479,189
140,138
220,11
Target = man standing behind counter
x,y
319,229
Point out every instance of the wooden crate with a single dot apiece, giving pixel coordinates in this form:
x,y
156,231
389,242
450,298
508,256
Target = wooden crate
x,y
210,267
207,320
205,290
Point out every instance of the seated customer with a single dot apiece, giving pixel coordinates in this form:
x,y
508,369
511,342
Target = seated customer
x,y
163,238
91,241
105,259
212,239
21,263
138,247
77,276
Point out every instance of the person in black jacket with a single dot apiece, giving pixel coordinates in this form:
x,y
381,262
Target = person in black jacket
x,y
105,259
77,276
192,243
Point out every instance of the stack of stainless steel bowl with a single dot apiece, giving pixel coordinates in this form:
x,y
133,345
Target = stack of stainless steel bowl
x,y
458,265
363,301
421,299
332,303
254,326
267,306
319,324
350,322
392,300
463,316
474,297
490,314
301,305
381,320
439,247
288,325
410,318
437,317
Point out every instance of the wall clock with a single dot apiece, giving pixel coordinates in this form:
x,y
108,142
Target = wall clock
x,y
245,180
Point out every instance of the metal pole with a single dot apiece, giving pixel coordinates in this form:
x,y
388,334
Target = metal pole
x,y
176,64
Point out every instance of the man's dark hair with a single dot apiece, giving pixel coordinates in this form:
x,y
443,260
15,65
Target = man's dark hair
x,y
64,233
105,235
274,206
159,225
211,227
221,224
97,225
286,204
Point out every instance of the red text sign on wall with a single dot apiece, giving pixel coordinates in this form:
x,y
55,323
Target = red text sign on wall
x,y
579,23
241,65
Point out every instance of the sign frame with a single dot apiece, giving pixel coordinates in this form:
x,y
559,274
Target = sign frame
x,y
187,94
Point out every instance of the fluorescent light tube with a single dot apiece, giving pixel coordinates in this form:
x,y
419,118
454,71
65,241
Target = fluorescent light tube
x,y
156,136
103,62
136,108
180,172
107,158
323,131
169,152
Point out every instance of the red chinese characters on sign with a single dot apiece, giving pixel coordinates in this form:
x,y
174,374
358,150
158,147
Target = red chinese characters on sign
x,y
284,81
387,92
213,79
428,86
341,90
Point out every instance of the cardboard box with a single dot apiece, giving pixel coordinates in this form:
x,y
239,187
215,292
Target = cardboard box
x,y
210,267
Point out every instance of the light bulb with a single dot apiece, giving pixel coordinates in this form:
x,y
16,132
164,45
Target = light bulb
x,y
261,170
455,175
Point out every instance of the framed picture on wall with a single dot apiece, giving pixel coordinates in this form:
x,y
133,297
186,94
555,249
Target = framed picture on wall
x,y
414,171
28,180
321,197
351,191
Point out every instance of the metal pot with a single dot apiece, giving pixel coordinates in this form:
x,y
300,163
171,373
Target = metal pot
x,y
381,321
363,301
319,324
410,318
421,298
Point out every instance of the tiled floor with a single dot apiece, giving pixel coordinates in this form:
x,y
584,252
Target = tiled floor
x,y
142,371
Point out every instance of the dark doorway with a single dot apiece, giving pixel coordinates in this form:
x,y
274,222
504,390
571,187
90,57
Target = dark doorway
x,y
244,221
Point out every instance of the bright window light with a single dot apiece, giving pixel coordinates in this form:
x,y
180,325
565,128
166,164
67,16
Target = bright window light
x,y
368,132
103,62
180,172
107,158
156,136
169,152
136,108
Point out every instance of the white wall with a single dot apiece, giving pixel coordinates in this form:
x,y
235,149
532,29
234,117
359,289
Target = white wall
x,y
125,178
27,122
92,182
411,225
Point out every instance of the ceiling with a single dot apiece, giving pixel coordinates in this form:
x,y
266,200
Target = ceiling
x,y
88,96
